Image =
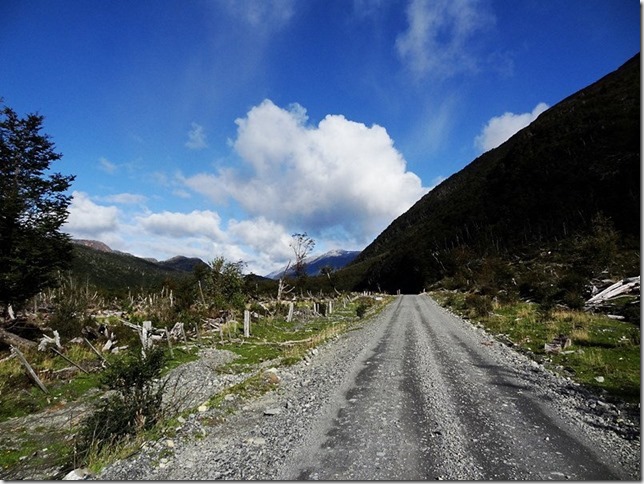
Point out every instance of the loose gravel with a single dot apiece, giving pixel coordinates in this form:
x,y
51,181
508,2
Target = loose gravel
x,y
260,439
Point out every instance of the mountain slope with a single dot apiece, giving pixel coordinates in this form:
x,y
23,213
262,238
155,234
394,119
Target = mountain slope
x,y
579,158
182,263
117,272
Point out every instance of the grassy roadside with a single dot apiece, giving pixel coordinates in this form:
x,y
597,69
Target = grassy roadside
x,y
286,343
272,343
604,353
47,451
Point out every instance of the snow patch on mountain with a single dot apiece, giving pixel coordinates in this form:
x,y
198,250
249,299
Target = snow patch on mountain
x,y
335,259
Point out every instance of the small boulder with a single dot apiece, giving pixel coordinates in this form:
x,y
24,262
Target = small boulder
x,y
77,475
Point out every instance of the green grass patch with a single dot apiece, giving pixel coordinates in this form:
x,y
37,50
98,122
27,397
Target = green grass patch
x,y
179,356
277,339
252,387
601,346
271,339
24,398
42,452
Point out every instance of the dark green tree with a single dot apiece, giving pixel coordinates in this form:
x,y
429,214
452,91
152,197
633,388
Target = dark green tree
x,y
33,206
225,284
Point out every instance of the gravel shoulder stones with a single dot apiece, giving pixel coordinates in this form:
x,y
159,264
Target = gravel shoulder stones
x,y
253,442
340,414
195,382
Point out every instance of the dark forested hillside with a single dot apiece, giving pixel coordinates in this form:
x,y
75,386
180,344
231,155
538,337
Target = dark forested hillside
x,y
116,273
571,172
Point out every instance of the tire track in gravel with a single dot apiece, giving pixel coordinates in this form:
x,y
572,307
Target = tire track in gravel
x,y
508,428
412,394
432,403
350,449
385,431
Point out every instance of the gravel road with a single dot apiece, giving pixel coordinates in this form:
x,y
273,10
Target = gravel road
x,y
416,393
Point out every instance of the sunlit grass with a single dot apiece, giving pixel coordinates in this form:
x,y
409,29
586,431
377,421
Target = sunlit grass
x,y
601,346
272,339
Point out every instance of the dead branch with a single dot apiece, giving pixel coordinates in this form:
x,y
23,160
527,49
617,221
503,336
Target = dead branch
x,y
96,351
68,360
29,369
282,343
46,340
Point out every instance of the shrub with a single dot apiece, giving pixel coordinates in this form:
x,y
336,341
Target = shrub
x,y
478,305
71,310
134,407
631,313
364,303
596,251
361,310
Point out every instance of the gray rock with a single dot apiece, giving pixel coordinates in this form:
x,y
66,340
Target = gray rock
x,y
77,475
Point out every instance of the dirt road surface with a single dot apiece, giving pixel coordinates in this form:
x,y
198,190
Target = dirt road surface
x,y
416,394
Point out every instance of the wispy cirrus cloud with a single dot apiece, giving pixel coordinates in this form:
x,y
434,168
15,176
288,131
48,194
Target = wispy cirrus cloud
x,y
197,139
124,198
107,166
265,15
441,37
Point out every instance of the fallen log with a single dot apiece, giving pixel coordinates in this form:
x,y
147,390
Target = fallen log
x,y
621,287
281,343
14,340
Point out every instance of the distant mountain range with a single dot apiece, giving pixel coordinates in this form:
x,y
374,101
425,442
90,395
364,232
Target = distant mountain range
x,y
336,259
115,271
118,272
177,263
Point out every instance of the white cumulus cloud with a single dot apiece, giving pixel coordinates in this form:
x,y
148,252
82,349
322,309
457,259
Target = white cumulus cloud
x,y
340,176
88,219
501,128
261,243
264,237
203,223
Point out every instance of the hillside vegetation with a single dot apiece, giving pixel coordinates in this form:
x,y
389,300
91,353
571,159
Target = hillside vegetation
x,y
117,273
539,217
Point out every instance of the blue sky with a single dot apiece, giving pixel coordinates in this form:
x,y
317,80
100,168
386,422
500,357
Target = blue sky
x,y
216,127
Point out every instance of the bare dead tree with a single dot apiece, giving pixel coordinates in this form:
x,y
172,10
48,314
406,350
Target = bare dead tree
x,y
302,246
282,286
